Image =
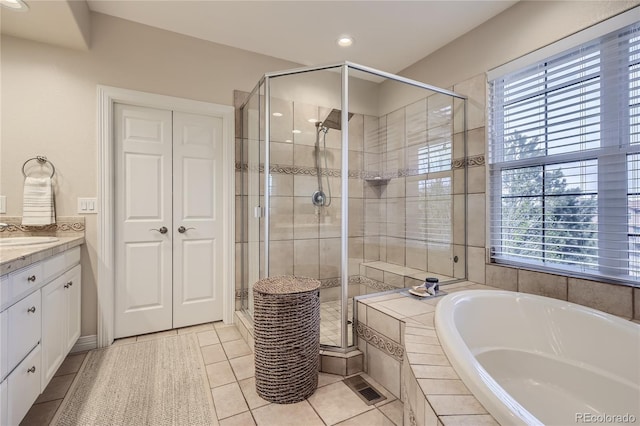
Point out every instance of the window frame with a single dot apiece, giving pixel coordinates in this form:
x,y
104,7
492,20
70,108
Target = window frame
x,y
615,148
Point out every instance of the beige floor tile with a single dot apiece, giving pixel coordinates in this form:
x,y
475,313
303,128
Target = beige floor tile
x,y
220,374
57,388
248,387
327,379
228,333
236,348
228,400
212,354
336,402
196,328
243,367
207,338
243,419
158,335
393,411
370,418
41,414
296,414
71,364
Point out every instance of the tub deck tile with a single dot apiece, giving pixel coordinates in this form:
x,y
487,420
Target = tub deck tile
x,y
443,387
425,339
427,359
434,372
422,348
445,405
475,420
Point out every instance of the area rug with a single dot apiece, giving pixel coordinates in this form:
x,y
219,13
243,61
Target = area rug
x,y
153,382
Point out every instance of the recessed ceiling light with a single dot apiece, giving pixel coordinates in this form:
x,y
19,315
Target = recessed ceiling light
x,y
277,114
15,5
296,131
345,41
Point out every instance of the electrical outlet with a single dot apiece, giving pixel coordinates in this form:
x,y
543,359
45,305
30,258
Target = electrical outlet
x,y
87,206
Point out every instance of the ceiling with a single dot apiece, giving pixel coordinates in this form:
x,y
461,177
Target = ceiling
x,y
389,35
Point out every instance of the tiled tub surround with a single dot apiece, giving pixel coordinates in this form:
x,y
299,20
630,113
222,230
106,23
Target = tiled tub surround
x,y
402,352
68,230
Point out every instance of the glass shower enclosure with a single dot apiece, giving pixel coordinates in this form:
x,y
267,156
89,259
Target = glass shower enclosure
x,y
355,177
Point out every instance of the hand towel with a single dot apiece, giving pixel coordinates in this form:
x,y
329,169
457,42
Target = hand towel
x,y
37,204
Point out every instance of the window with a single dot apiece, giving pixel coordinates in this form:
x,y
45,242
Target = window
x,y
565,160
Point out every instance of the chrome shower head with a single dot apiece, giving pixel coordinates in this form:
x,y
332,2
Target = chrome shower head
x,y
334,120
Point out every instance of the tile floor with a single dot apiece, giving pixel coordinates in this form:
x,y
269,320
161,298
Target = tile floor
x,y
230,369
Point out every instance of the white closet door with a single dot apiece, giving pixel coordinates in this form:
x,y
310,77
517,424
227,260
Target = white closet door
x,y
143,138
197,219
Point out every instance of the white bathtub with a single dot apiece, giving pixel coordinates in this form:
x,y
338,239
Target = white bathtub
x,y
535,360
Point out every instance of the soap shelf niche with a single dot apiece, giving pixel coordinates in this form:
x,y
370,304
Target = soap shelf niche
x,y
377,180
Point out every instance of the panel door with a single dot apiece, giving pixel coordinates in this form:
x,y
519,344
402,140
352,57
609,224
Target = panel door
x,y
143,139
197,219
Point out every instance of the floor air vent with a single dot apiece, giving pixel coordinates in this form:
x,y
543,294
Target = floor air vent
x,y
364,390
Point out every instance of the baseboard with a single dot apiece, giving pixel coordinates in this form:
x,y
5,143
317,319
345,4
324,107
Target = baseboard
x,y
85,343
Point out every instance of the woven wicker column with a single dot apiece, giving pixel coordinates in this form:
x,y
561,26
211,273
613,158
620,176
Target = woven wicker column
x,y
286,323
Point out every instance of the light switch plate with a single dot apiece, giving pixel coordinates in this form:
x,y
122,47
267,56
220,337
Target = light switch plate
x,y
3,204
87,205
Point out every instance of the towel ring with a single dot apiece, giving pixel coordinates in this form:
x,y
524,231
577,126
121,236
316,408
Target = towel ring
x,y
41,159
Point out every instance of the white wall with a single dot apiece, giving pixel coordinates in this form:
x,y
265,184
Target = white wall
x,y
48,101
524,27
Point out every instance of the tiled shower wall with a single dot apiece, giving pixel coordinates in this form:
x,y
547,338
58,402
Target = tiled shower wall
x,y
406,176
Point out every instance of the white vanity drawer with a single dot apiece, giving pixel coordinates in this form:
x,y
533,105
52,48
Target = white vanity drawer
x,y
4,339
24,387
24,328
24,281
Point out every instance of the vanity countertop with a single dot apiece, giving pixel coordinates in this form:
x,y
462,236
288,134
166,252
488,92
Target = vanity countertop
x,y
13,258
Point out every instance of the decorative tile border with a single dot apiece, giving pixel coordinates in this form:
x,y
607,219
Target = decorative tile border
x,y
478,160
64,225
376,285
380,341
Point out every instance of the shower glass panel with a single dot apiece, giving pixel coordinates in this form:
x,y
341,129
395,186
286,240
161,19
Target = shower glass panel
x,y
354,177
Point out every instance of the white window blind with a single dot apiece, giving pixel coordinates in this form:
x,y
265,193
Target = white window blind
x,y
564,158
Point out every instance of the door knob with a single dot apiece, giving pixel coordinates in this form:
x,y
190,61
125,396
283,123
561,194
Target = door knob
x,y
182,229
162,230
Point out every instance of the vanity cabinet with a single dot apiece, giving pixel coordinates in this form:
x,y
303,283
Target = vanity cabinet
x,y
60,321
39,324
